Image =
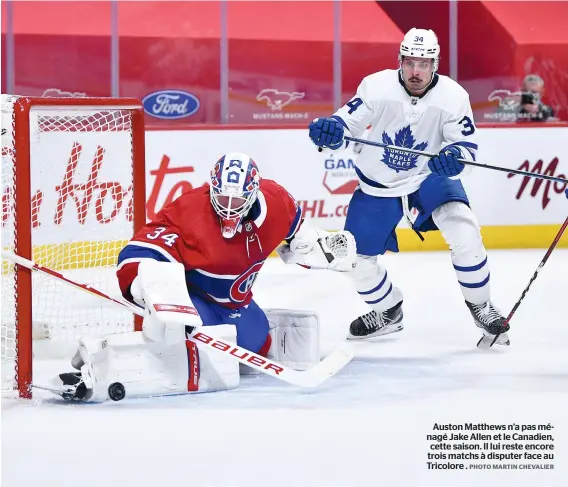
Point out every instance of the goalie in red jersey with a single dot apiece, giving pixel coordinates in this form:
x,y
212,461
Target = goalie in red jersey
x,y
195,265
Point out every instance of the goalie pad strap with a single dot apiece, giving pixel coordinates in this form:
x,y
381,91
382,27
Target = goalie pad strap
x,y
193,362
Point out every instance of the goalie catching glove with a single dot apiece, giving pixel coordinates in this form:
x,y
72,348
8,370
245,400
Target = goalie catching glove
x,y
318,249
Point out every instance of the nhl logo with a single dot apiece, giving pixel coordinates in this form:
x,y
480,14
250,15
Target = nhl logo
x,y
248,226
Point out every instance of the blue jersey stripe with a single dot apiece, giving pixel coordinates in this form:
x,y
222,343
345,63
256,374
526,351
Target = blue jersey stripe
x,y
295,223
132,251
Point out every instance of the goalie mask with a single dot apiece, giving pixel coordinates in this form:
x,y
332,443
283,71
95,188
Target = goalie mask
x,y
234,188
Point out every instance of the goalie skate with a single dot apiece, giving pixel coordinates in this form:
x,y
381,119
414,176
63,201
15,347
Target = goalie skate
x,y
375,324
72,387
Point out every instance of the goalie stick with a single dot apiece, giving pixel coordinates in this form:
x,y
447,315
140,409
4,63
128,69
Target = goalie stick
x,y
311,378
467,163
486,342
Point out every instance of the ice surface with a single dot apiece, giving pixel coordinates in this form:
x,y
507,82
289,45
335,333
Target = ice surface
x,y
365,427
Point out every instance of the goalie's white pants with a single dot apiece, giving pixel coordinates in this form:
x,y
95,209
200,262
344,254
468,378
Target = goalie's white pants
x,y
148,368
460,229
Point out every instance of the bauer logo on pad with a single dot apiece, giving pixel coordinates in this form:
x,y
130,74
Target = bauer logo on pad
x,y
170,104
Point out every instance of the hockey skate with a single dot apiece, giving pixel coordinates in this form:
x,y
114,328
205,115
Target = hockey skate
x,y
492,323
72,387
375,324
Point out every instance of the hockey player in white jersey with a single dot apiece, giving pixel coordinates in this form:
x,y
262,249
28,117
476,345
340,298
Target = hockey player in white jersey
x,y
412,107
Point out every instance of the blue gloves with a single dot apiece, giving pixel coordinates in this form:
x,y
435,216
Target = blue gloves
x,y
446,162
327,132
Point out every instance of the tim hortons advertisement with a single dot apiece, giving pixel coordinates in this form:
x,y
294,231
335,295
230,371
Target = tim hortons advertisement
x,y
81,189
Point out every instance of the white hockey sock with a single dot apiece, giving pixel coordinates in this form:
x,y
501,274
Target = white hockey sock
x,y
473,276
461,231
373,284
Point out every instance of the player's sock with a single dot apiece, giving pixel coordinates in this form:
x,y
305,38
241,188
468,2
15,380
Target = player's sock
x,y
373,284
473,276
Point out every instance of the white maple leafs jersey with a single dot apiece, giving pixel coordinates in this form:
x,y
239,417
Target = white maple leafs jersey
x,y
439,118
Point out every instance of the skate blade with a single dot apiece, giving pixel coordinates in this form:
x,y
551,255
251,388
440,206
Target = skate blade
x,y
378,333
488,341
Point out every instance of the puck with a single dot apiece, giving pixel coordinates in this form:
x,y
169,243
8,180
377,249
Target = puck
x,y
116,391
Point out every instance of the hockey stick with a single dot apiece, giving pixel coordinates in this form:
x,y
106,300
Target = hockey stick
x,y
487,342
468,163
313,377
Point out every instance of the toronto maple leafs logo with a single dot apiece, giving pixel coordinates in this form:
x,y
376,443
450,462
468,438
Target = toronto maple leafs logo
x,y
398,160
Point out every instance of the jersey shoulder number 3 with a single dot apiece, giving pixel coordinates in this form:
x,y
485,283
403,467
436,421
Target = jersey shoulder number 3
x,y
468,126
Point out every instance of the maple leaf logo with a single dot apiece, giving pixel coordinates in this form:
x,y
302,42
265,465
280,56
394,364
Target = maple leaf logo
x,y
398,160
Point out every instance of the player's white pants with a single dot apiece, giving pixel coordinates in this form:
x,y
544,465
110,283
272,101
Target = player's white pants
x,y
461,231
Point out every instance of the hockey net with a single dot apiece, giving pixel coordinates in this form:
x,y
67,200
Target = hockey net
x,y
72,196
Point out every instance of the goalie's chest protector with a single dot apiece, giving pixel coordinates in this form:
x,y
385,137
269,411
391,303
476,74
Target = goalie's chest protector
x,y
224,270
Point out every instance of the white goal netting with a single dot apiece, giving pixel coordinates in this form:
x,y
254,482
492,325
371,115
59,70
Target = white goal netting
x,y
81,170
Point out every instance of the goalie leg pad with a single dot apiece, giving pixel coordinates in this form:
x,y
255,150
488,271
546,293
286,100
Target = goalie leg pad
x,y
146,368
295,338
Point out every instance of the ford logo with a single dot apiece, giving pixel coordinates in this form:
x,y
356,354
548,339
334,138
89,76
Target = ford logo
x,y
170,104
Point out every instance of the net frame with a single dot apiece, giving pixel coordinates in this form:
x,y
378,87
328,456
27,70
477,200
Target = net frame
x,y
23,210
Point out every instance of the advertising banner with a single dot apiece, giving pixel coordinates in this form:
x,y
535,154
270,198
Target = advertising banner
x,y
324,182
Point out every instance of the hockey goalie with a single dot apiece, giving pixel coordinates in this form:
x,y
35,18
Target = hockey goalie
x,y
194,266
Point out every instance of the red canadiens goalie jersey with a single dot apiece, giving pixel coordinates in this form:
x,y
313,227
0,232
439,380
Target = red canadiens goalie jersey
x,y
218,269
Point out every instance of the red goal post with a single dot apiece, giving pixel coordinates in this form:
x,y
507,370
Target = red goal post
x,y
73,192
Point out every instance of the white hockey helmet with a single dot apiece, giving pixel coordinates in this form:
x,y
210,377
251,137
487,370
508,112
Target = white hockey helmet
x,y
420,43
234,186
